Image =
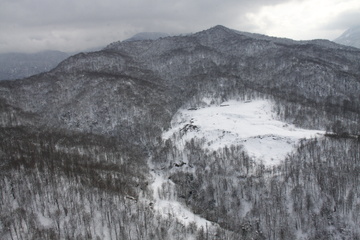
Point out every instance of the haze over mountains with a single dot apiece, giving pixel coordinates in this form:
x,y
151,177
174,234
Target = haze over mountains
x,y
158,139
147,36
20,65
350,37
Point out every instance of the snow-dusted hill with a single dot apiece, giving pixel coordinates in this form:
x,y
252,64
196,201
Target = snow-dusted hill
x,y
82,156
252,124
350,37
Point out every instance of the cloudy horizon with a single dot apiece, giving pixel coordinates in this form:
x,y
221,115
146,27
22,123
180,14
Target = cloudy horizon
x,y
70,26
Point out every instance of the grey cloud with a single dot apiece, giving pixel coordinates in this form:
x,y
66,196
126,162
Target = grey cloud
x,y
91,22
45,12
345,20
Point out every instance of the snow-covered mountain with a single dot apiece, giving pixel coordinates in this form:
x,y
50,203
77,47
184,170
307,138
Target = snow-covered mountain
x,y
214,135
350,37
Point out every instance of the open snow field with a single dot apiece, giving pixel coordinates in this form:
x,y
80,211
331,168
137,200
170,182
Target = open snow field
x,y
251,124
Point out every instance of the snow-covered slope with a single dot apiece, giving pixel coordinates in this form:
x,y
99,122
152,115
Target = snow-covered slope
x,y
167,205
350,37
251,124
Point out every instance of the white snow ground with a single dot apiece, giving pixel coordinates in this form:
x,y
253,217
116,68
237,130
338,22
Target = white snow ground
x,y
251,124
168,207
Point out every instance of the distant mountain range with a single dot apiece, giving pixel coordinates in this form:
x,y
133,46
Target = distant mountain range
x,y
17,65
20,65
350,37
147,36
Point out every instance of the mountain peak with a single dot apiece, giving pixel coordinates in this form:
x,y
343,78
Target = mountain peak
x,y
215,34
350,37
147,36
220,28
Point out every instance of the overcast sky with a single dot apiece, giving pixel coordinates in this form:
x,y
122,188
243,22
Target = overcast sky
x,y
73,25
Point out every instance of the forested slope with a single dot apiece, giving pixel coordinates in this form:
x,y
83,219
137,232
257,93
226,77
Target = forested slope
x,y
85,151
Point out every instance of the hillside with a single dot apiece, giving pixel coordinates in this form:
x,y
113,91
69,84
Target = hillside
x,y
215,135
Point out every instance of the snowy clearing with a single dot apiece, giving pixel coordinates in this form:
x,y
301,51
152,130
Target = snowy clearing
x,y
251,124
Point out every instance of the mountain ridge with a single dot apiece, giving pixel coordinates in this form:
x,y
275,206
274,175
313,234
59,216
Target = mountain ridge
x,y
173,61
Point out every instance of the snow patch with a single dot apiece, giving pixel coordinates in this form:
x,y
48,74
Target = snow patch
x,y
167,206
44,221
251,124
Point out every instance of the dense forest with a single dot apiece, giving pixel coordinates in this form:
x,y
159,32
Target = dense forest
x,y
83,153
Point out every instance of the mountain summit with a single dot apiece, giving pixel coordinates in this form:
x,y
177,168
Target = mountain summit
x,y
147,36
350,37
